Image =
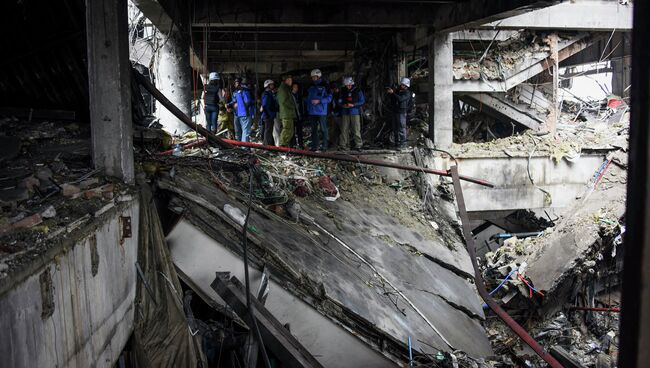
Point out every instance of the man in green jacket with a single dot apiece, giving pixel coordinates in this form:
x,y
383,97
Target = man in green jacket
x,y
287,110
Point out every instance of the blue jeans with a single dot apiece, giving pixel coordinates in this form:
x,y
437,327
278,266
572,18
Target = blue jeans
x,y
243,128
399,129
316,121
211,113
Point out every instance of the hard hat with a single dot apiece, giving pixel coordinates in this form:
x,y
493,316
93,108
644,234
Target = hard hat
x,y
213,76
316,73
268,82
348,81
405,81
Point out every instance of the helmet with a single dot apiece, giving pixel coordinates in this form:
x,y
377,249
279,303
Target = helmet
x,y
213,76
348,81
405,81
316,73
268,82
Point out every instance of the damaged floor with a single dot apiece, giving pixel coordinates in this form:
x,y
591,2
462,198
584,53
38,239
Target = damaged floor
x,y
359,264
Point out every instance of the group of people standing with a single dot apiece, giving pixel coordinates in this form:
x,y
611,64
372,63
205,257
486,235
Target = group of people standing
x,y
285,108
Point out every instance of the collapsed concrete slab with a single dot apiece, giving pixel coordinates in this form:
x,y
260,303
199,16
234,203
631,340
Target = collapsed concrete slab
x,y
353,269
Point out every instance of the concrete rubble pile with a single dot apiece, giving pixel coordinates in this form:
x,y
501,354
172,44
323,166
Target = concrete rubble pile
x,y
563,282
588,125
49,189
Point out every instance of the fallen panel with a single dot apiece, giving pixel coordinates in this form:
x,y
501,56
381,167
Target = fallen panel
x,y
500,108
316,266
276,337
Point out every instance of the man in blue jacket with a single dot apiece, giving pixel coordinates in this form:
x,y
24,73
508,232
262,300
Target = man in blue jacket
x,y
269,111
318,98
244,106
351,99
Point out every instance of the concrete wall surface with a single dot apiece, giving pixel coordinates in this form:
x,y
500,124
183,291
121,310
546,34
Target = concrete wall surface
x,y
77,310
200,256
513,190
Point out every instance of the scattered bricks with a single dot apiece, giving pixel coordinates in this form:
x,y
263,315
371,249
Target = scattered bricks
x,y
92,193
29,183
69,190
49,212
107,188
28,222
88,183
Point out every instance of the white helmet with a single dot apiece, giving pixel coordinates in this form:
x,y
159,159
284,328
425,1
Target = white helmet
x,y
348,81
268,82
213,76
316,73
405,81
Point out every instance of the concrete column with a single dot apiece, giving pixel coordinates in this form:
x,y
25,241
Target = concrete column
x,y
621,77
109,84
441,105
174,80
401,56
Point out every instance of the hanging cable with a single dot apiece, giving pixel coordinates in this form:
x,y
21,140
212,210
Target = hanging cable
x,y
267,363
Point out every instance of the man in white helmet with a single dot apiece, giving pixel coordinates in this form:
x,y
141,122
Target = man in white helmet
x,y
211,102
402,102
269,110
318,98
351,99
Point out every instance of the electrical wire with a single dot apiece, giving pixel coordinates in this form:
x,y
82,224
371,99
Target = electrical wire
x,y
265,357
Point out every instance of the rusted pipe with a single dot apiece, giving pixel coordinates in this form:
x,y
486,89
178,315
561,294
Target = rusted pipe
x,y
480,283
339,157
144,82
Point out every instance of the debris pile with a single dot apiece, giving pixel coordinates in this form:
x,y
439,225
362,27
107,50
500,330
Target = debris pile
x,y
49,188
582,126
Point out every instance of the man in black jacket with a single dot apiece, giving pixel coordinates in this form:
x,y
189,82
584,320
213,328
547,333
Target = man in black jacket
x,y
211,102
403,101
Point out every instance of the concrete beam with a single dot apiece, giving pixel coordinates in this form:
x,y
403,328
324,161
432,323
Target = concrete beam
x,y
473,13
497,106
109,85
483,35
388,14
441,90
581,15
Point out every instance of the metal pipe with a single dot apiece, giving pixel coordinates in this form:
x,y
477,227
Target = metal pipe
x,y
340,157
480,283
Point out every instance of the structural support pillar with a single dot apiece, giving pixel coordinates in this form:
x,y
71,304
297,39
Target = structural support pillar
x,y
173,79
635,308
441,101
109,84
621,76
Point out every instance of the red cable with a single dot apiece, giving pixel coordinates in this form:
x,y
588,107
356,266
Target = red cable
x,y
338,157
